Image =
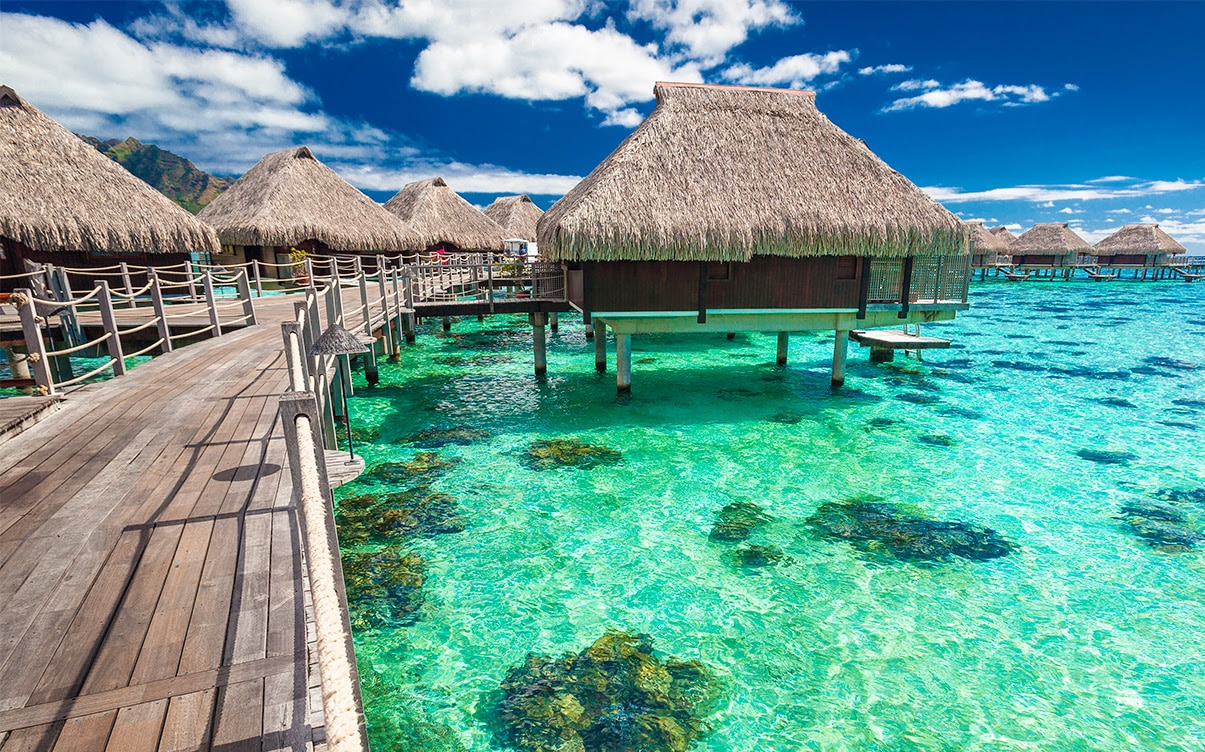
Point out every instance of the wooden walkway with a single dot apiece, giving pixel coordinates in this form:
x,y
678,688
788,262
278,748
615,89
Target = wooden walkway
x,y
152,590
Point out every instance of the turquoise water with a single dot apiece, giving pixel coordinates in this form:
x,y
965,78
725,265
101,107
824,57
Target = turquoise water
x,y
1086,637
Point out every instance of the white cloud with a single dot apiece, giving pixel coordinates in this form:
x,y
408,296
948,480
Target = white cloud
x,y
1117,211
1069,210
466,178
288,23
1048,205
98,77
795,71
1070,87
916,85
606,67
707,29
1110,219
935,96
1165,211
1111,179
1052,193
889,68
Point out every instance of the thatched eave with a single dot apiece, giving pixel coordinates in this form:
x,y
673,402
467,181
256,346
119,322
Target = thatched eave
x,y
723,173
289,197
1050,238
516,215
440,215
60,194
1145,238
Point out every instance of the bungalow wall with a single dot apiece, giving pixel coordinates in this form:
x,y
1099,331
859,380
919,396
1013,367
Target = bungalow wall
x,y
763,282
1044,259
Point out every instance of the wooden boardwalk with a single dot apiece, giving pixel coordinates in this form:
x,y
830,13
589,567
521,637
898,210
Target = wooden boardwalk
x,y
151,573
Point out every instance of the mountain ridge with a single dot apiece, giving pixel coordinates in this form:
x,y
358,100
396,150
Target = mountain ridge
x,y
172,175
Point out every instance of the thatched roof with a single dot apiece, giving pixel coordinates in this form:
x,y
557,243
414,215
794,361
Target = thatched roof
x,y
719,173
983,241
1051,238
1003,232
289,197
440,215
61,194
516,215
1139,238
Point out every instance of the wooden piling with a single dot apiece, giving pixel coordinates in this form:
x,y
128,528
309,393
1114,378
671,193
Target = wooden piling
x,y
731,335
447,323
538,344
783,342
600,346
881,355
623,362
840,348
553,321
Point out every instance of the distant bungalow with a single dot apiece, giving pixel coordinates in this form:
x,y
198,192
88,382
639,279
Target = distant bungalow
x,y
743,209
444,220
65,203
517,216
290,200
1137,245
1049,244
986,247
1002,232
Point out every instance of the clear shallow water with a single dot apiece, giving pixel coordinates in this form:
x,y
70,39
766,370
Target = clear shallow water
x,y
1086,638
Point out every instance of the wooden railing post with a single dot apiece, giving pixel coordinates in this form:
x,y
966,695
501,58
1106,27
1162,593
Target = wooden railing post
x,y
34,344
244,293
309,271
192,282
165,330
214,319
343,707
109,320
299,378
125,278
259,282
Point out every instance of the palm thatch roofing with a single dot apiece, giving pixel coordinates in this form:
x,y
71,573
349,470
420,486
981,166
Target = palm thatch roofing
x,y
440,215
1003,232
61,194
1139,238
1052,238
516,215
289,197
723,173
983,242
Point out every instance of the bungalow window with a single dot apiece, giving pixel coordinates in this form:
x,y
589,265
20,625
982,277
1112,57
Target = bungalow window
x,y
719,271
847,267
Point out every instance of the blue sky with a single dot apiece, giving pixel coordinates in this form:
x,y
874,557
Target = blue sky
x,y
1085,112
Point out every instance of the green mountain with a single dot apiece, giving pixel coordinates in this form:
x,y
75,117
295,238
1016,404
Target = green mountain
x,y
170,174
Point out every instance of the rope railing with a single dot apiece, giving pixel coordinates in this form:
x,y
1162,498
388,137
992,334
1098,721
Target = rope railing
x,y
51,366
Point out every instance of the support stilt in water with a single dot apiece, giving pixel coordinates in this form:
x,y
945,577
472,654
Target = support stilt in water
x,y
408,328
481,317
538,344
731,335
447,324
623,362
881,355
600,346
783,340
840,348
371,373
553,322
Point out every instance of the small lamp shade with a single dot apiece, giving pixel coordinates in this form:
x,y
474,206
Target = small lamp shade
x,y
337,341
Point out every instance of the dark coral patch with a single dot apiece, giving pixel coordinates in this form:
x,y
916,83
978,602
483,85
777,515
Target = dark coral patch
x,y
1102,457
552,453
759,556
883,528
384,587
425,466
615,696
736,521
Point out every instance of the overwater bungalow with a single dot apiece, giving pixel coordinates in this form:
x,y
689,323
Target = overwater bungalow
x,y
444,220
1143,245
290,204
988,249
743,209
65,203
517,216
1003,232
1051,244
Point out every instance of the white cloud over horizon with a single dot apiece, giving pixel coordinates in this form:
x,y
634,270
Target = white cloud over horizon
x,y
795,71
937,96
889,68
1071,192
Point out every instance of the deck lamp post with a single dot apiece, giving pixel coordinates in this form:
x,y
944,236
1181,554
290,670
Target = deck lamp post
x,y
341,343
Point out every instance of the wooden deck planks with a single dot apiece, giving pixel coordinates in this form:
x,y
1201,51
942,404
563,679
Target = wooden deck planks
x,y
166,564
